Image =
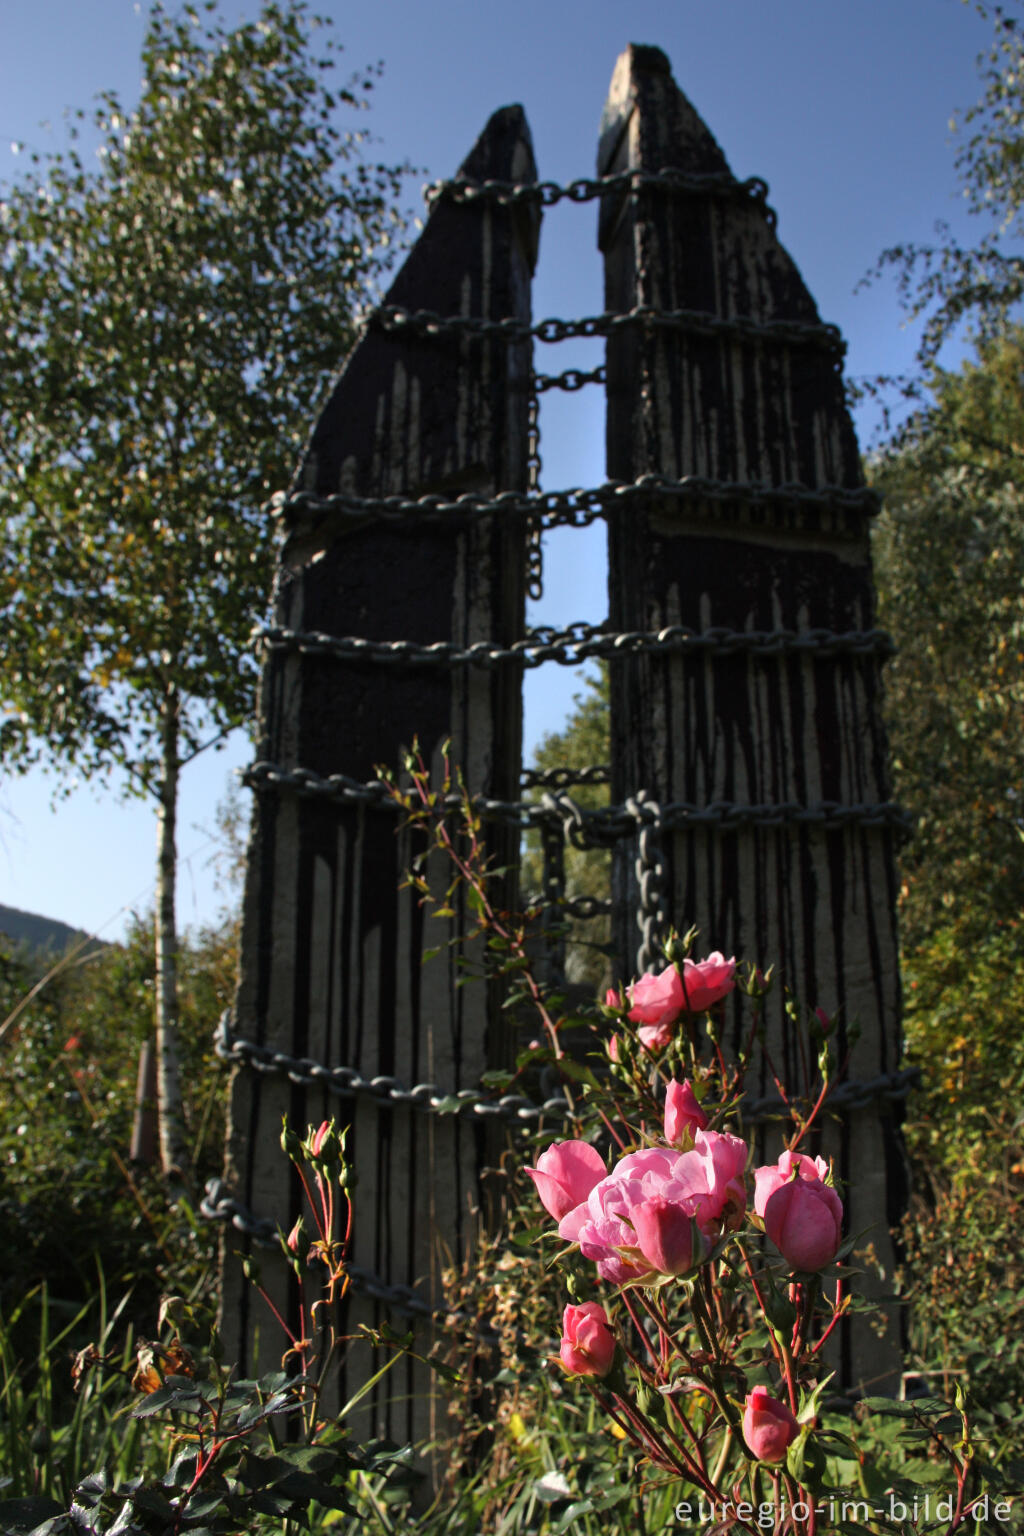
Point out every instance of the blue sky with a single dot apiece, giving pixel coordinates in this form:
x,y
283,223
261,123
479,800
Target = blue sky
x,y
843,108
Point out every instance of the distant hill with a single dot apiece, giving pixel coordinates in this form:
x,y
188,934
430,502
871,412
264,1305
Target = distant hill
x,y
40,933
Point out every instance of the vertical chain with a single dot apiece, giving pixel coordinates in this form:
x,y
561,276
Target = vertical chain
x,y
534,527
650,872
552,837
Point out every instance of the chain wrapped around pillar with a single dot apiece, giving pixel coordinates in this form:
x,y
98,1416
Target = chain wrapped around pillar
x,y
332,950
753,396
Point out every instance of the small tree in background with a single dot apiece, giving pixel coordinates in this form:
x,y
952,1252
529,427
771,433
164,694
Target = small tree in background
x,y
166,321
949,559
582,743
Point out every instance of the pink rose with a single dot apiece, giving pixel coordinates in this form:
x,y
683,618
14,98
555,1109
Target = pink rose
x,y
657,999
705,981
667,1236
683,1114
704,1184
769,1427
802,1215
588,1347
565,1174
613,998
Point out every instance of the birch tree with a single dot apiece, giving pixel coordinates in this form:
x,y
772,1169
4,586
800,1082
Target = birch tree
x,y
167,314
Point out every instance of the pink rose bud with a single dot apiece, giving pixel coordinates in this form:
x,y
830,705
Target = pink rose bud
x,y
588,1346
319,1137
292,1239
613,1048
823,1019
774,1175
706,981
805,1222
667,1236
657,1000
655,1037
565,1174
683,1114
613,998
802,1215
769,1427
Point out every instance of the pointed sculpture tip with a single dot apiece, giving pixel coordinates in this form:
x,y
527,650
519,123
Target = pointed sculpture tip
x,y
645,59
642,82
504,149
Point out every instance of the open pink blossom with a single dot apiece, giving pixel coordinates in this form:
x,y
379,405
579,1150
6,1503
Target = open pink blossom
x,y
565,1174
704,982
683,1114
588,1346
657,1000
703,1184
769,1427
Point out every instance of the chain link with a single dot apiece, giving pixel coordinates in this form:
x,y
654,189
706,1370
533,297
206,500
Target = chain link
x,y
576,507
513,1109
534,520
571,380
590,826
219,1205
586,189
581,642
346,1082
651,916
563,778
692,322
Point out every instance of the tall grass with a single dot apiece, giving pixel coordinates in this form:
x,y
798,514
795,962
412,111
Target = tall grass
x,y
51,1436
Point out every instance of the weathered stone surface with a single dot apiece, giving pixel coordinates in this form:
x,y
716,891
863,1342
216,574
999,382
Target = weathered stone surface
x,y
332,950
818,904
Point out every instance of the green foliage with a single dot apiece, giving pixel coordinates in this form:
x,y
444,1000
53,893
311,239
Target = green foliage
x,y
68,1197
181,1444
949,561
166,320
50,1440
582,743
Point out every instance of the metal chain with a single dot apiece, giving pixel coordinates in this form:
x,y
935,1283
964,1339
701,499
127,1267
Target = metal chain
x,y
589,827
346,1082
513,1109
693,322
580,642
218,1204
576,507
586,189
534,521
553,898
563,778
651,917
572,379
